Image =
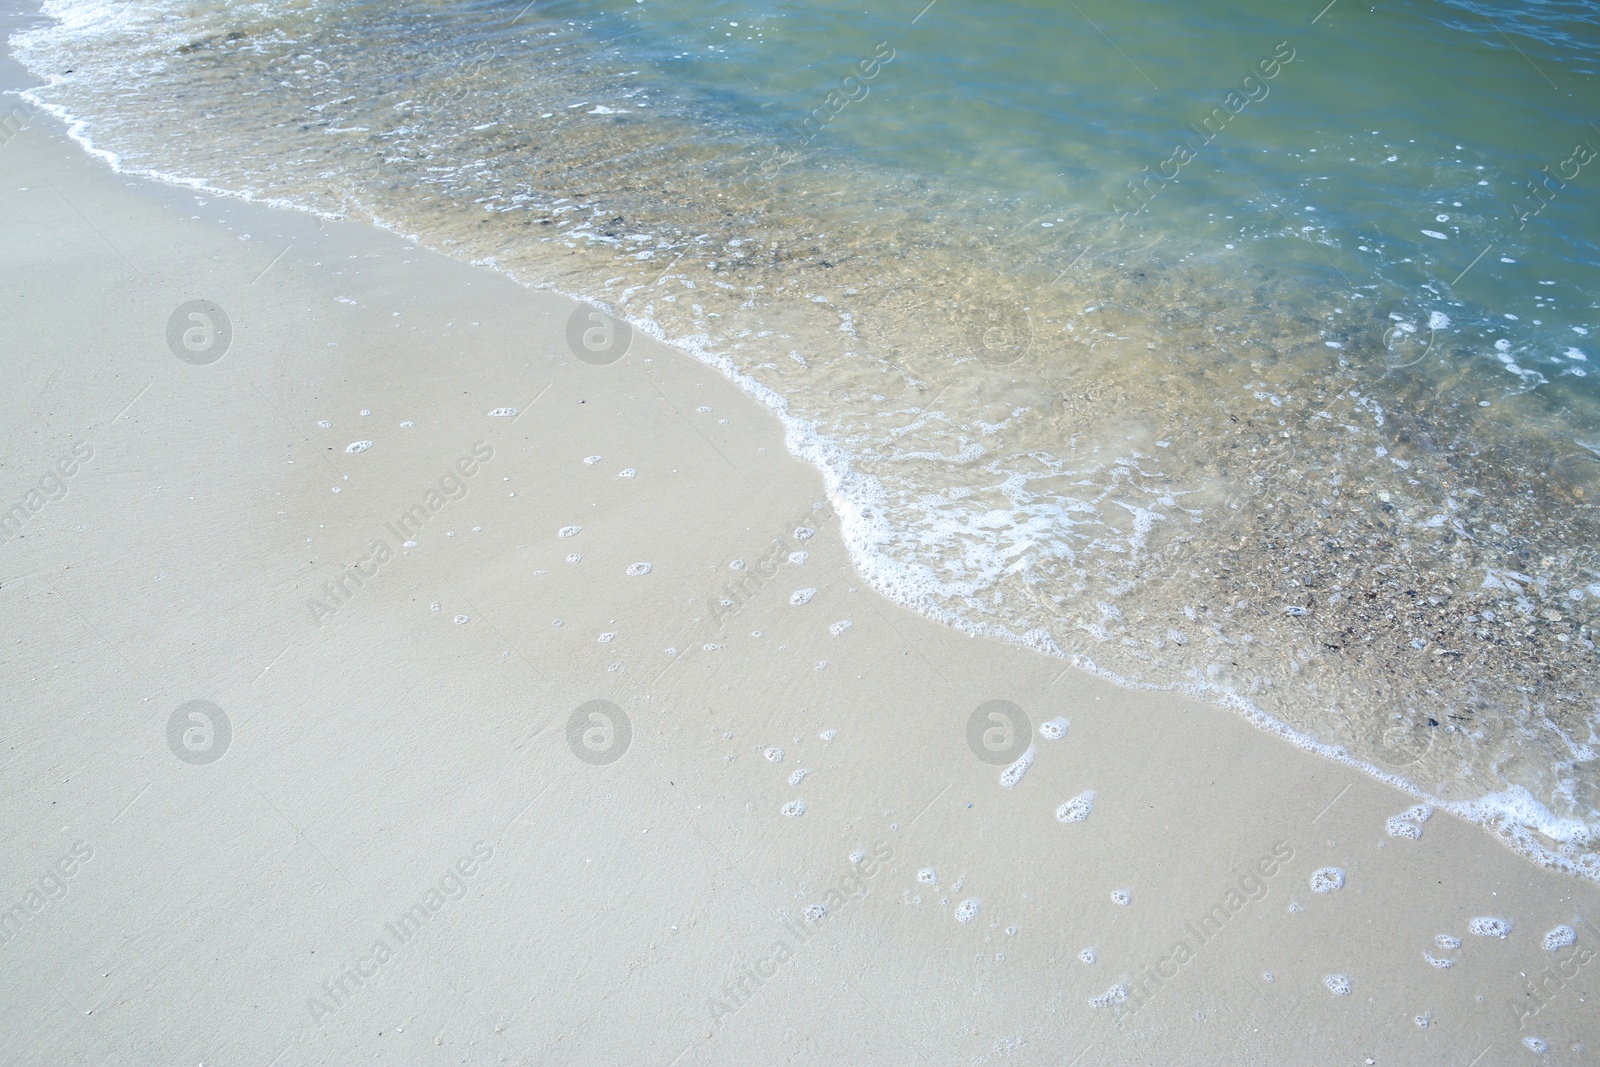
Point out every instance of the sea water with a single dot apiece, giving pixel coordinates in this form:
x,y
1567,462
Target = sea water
x,y
1250,349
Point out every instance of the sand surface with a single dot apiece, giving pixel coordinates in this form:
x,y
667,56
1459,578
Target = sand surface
x,y
396,829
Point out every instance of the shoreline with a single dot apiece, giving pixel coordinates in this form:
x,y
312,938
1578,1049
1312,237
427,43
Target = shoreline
x,y
372,749
1282,675
1515,816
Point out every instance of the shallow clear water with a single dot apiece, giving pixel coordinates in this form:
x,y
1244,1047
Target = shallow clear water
x,y
1245,348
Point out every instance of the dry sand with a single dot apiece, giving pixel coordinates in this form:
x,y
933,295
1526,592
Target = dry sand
x,y
391,845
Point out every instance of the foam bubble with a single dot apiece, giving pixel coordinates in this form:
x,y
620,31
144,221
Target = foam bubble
x,y
774,754
1560,938
1338,984
1422,1021
801,596
628,472
798,558
1122,896
503,413
795,808
569,531
799,775
1434,961
815,912
804,533
928,876
573,557
607,638
1398,827
967,910
1054,730
1087,955
637,569
1417,813
828,735
1326,879
1447,941
459,619
840,627
1117,994
1489,926
1077,809
357,446
1535,1044
592,460
736,565
1013,774
325,424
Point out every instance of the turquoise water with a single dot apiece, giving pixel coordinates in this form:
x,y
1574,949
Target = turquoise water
x,y
1246,349
1385,118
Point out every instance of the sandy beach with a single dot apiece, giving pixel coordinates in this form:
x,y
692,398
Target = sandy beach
x,y
403,664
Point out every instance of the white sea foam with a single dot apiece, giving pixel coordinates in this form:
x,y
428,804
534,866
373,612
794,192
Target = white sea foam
x,y
1559,938
1489,926
1117,994
1013,774
1078,808
1326,879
